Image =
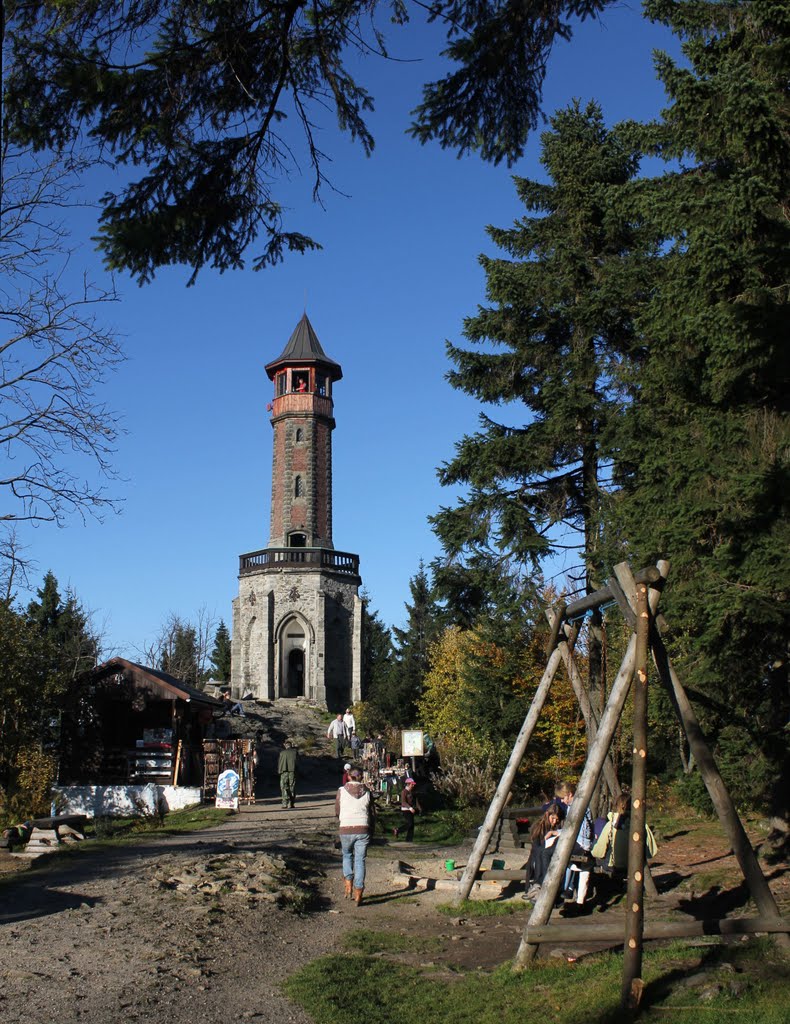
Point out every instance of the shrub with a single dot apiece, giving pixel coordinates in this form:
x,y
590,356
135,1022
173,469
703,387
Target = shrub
x,y
31,795
466,783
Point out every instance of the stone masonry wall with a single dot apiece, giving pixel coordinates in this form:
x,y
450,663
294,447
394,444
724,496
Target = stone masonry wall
x,y
326,603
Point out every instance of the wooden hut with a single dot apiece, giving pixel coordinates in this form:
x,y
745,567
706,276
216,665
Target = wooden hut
x,y
130,727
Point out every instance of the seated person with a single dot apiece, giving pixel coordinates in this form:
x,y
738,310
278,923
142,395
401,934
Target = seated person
x,y
237,707
611,846
544,836
577,877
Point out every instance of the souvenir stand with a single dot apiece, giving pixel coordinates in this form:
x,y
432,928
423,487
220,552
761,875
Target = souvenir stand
x,y
219,755
383,774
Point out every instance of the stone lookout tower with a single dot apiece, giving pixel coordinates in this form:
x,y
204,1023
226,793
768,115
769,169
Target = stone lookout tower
x,y
297,622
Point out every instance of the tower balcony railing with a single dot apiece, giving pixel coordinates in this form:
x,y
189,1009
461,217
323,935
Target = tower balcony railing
x,y
323,558
295,402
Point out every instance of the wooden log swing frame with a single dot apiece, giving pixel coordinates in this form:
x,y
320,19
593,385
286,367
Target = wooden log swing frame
x,y
637,596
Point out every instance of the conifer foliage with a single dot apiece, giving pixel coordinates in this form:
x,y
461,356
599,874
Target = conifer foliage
x,y
703,463
44,649
546,351
401,669
220,655
639,326
209,103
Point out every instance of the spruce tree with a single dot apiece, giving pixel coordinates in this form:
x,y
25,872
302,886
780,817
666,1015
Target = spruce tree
x,y
703,450
547,351
65,627
220,655
412,648
559,320
377,658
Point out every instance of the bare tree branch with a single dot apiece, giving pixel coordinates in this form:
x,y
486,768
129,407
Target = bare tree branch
x,y
57,438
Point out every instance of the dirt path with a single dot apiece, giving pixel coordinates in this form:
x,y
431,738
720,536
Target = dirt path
x,y
92,932
130,928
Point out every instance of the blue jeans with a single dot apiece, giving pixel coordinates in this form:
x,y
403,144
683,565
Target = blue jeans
x,y
354,848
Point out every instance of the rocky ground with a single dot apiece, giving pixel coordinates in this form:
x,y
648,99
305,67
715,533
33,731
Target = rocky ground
x,y
206,925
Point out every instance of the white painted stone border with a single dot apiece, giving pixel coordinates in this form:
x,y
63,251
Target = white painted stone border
x,y
123,801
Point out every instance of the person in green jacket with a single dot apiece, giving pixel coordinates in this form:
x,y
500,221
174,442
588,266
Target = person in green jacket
x,y
286,769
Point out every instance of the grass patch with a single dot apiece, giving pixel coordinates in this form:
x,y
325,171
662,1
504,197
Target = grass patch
x,y
365,940
107,833
441,827
714,983
481,908
116,831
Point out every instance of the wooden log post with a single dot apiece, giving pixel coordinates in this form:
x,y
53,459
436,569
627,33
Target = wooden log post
x,y
633,984
506,782
589,780
591,724
588,714
719,794
555,622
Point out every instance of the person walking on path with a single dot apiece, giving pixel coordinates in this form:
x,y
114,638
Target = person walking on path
x,y
350,723
355,811
286,769
409,806
337,732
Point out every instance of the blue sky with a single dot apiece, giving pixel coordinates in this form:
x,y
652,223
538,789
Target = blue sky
x,y
397,275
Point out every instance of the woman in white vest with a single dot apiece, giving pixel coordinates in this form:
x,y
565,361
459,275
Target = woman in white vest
x,y
355,809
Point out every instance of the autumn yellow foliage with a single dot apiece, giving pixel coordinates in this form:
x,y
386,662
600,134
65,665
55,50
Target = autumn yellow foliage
x,y
475,697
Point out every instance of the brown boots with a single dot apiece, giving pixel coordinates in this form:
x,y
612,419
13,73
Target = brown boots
x,y
349,892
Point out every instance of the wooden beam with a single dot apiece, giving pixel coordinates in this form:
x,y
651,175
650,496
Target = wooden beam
x,y
589,716
591,721
556,620
605,595
521,812
587,783
508,776
581,931
719,794
622,601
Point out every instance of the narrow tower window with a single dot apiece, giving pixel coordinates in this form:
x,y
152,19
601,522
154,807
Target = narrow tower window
x,y
298,487
298,435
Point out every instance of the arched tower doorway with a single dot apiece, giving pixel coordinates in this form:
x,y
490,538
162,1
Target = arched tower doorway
x,y
294,645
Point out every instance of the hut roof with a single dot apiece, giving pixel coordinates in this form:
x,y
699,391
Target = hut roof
x,y
163,684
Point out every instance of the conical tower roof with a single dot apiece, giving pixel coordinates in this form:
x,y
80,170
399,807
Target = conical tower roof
x,y
304,348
